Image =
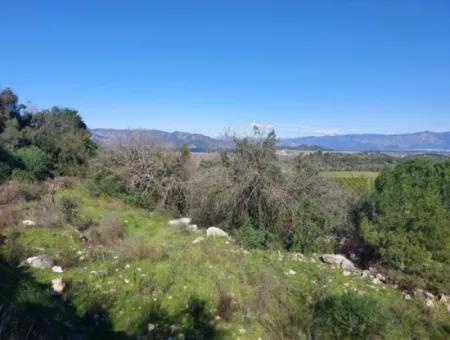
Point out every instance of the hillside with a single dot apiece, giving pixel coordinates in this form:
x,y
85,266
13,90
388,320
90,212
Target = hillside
x,y
420,141
158,282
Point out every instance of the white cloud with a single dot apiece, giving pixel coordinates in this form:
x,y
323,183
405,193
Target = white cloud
x,y
304,130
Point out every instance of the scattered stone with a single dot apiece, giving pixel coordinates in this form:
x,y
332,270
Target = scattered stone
x,y
215,232
198,240
365,273
429,303
346,273
290,272
443,299
40,261
407,297
381,277
429,296
58,285
376,281
339,260
151,327
181,221
418,293
57,269
28,223
192,227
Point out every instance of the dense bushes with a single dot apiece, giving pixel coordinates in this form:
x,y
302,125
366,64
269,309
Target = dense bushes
x,y
34,146
248,189
349,316
409,223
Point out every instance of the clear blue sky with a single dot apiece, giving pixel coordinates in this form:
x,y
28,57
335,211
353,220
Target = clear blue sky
x,y
304,67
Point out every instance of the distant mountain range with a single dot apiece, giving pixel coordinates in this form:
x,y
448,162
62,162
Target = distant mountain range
x,y
420,141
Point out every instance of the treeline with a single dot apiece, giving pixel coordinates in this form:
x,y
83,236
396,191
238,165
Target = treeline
x,y
40,145
403,224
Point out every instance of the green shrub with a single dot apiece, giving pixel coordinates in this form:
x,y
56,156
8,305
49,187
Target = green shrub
x,y
35,163
250,237
349,316
70,209
410,224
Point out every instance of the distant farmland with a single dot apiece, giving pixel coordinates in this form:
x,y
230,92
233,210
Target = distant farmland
x,y
355,181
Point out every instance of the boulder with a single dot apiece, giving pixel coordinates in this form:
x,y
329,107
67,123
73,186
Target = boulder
x,y
180,221
58,285
57,269
40,261
290,272
192,227
28,223
338,260
215,232
198,240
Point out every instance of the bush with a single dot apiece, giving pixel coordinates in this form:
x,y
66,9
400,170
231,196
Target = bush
x,y
409,225
109,231
250,237
35,163
249,188
349,316
70,209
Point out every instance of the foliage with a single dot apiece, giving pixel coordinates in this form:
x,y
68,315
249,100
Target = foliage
x,y
410,224
60,134
249,188
349,316
35,163
63,135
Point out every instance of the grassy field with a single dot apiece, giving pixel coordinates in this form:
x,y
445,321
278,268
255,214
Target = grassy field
x,y
355,181
156,283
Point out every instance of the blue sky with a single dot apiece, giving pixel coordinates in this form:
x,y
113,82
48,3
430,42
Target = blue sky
x,y
304,67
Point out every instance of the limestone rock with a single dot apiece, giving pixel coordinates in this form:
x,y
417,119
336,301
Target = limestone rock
x,y
192,227
40,261
57,269
28,223
338,260
58,285
215,232
180,221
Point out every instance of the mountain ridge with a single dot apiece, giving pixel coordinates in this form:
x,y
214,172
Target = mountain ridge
x,y
416,141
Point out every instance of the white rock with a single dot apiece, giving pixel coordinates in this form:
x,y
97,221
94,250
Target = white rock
x,y
192,227
215,232
365,273
429,296
339,260
57,269
40,261
180,221
290,272
381,277
429,303
376,281
198,240
151,327
58,285
346,273
443,299
28,223
407,297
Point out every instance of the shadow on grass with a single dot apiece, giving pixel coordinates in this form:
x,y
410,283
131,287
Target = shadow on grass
x,y
29,311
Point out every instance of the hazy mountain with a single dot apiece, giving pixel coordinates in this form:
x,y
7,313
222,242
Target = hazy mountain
x,y
196,142
419,141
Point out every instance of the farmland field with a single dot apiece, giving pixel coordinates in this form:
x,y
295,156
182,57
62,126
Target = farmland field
x,y
355,181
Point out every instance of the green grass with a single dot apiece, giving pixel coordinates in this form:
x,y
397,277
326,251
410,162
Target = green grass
x,y
355,181
179,277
